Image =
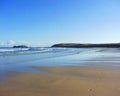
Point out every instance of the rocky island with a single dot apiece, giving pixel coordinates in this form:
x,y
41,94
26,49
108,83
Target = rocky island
x,y
20,46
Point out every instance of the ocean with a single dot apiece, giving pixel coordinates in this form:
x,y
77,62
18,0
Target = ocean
x,y
23,59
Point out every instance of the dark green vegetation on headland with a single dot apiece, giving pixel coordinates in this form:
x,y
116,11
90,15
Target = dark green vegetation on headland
x,y
76,45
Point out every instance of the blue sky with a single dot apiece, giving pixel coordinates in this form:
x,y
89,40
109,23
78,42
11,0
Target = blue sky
x,y
45,22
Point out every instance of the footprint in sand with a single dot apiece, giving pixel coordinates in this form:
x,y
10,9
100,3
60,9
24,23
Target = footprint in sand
x,y
91,92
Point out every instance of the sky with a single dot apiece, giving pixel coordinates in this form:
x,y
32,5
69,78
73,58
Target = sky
x,y
47,22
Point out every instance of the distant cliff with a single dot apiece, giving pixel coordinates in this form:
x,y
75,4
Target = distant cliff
x,y
75,45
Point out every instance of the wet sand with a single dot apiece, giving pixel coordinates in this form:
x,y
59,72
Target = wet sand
x,y
67,81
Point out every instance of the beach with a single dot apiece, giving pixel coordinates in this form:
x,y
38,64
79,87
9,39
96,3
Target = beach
x,y
83,81
60,72
59,47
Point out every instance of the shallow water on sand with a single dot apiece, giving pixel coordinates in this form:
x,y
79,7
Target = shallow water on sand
x,y
14,60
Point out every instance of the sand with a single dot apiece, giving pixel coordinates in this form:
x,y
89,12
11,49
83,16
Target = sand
x,y
68,81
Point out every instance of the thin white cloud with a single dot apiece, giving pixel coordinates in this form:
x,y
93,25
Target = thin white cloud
x,y
27,43
11,42
2,43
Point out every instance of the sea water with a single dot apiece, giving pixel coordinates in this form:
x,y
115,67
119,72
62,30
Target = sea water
x,y
23,59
